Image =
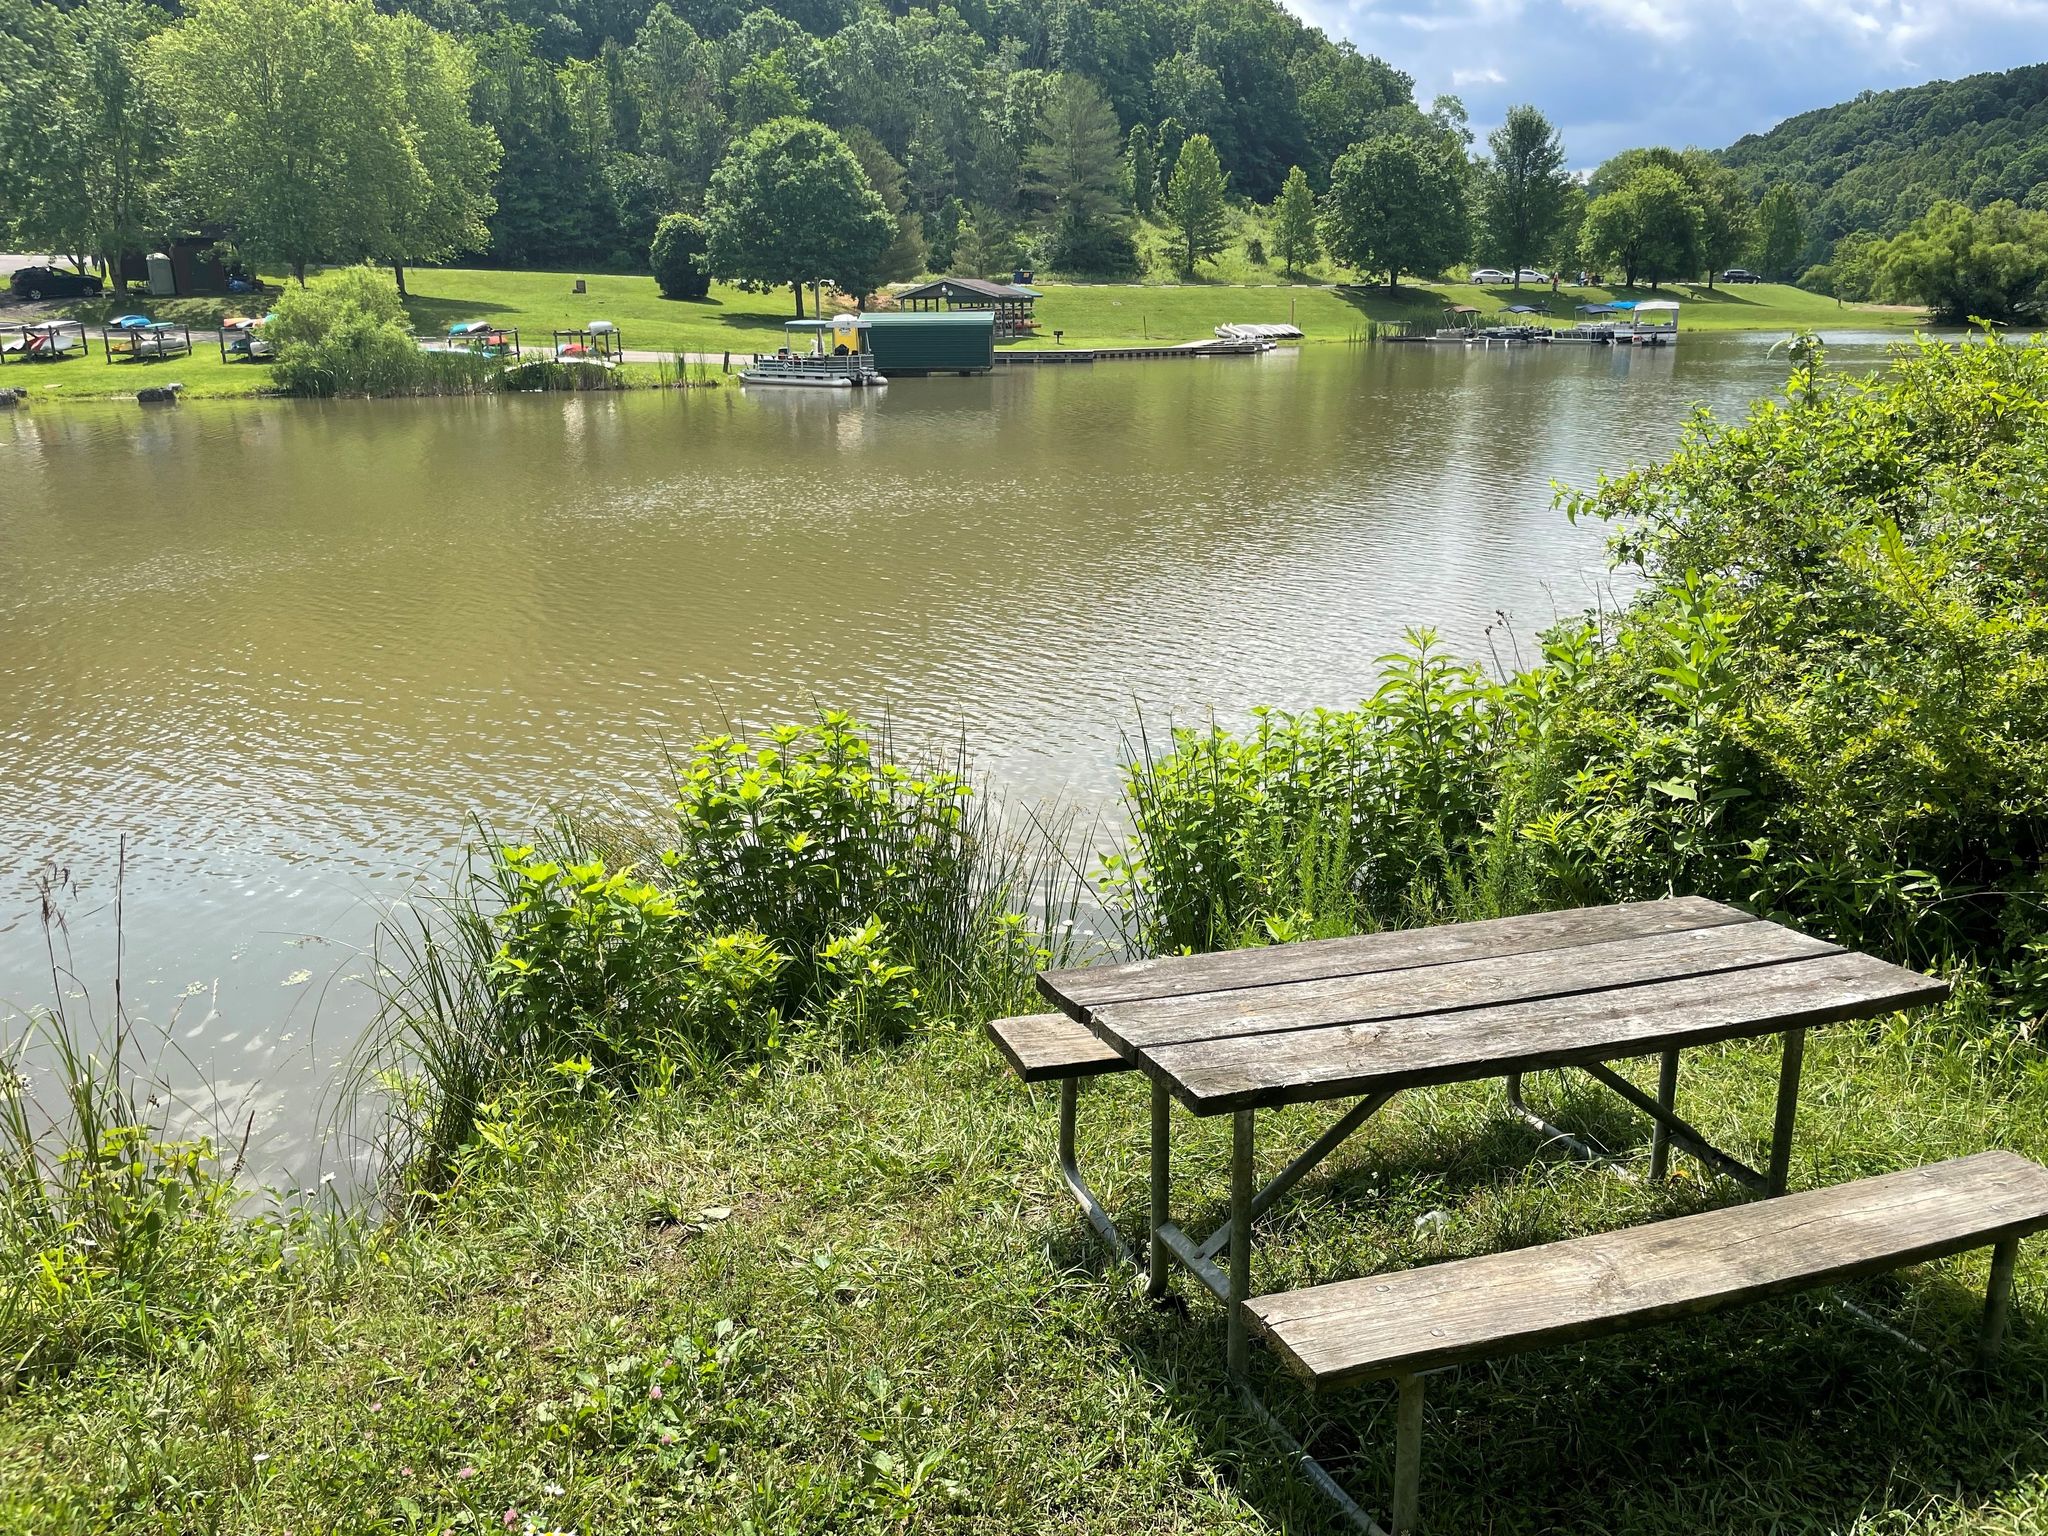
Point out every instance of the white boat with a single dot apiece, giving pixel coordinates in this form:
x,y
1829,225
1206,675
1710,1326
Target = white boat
x,y
1660,328
818,354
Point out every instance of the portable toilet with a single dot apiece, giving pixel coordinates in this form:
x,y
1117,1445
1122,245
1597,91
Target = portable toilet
x,y
163,279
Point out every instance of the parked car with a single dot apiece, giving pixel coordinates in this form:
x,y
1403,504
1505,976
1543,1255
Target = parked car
x,y
1740,275
1489,275
1531,275
53,283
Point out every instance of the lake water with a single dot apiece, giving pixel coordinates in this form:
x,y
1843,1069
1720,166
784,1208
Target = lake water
x,y
290,649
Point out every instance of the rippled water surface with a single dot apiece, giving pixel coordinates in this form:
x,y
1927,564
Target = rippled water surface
x,y
289,648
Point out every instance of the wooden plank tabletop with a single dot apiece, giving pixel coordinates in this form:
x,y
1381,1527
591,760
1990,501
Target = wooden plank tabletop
x,y
1337,1017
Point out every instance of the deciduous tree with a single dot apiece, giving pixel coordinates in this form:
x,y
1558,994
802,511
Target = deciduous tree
x,y
1294,223
316,130
1397,204
1781,228
790,203
1987,265
1522,189
1142,168
1196,203
1649,226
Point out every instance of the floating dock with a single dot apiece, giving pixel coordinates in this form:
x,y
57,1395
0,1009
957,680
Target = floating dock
x,y
1040,356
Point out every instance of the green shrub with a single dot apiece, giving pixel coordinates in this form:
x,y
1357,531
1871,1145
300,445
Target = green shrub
x,y
805,836
817,890
1827,700
677,257
345,333
1310,823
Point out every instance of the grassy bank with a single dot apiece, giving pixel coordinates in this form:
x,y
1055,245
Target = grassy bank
x,y
206,377
856,1298
731,320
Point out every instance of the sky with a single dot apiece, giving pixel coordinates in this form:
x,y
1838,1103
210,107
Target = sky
x,y
1617,73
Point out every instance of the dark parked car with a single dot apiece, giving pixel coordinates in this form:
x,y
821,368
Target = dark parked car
x,y
53,283
1740,275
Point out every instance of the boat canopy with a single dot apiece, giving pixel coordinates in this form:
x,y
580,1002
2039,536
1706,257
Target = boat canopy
x,y
1661,306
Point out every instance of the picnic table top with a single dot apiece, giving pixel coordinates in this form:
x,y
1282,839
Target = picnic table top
x,y
1333,1018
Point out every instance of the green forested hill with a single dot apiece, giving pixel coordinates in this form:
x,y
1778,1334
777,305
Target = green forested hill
x,y
1879,162
611,111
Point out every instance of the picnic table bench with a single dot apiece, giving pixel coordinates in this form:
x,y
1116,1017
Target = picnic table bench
x,y
1371,1016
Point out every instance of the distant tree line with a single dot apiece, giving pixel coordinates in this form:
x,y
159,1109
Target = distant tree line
x,y
840,141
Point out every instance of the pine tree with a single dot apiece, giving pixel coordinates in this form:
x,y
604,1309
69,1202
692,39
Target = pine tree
x,y
1195,203
1294,224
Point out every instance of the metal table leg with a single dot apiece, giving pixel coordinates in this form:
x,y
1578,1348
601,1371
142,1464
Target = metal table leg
x,y
1667,1098
1162,1186
1238,1348
1789,1064
1408,1457
1070,1170
1997,1300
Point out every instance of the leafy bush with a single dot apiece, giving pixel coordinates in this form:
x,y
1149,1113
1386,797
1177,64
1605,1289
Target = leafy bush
x,y
677,257
1828,701
345,333
816,891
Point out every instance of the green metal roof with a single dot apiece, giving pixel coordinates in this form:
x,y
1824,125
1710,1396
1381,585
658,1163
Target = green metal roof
x,y
980,319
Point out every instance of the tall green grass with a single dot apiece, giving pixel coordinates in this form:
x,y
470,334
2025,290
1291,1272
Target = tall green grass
x,y
117,1236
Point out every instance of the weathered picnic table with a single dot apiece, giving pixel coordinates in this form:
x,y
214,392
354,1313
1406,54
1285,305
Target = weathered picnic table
x,y
1367,1017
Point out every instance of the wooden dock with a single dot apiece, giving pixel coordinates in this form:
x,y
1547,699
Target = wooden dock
x,y
1042,356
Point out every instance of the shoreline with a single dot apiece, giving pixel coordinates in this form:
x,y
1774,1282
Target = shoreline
x,y
1082,316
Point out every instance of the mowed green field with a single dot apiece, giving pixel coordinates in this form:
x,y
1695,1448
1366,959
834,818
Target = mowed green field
x,y
1087,314
733,320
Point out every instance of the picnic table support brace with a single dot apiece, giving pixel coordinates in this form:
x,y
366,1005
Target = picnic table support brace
x,y
1682,1135
1408,1456
1997,1300
1070,1170
1311,1468
1162,1216
1292,1174
1183,1248
1556,1133
1789,1064
1237,1344
1667,1100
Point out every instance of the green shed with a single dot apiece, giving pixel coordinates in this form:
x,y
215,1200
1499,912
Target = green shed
x,y
906,344
956,341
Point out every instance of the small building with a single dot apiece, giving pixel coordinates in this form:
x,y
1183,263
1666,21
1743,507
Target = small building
x,y
959,341
899,344
1010,303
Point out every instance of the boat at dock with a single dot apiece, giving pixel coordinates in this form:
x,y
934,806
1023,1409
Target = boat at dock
x,y
819,354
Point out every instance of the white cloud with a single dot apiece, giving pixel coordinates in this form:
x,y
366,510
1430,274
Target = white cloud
x,y
1613,73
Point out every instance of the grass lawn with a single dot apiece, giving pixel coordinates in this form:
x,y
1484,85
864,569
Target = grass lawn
x,y
203,374
856,1298
539,303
